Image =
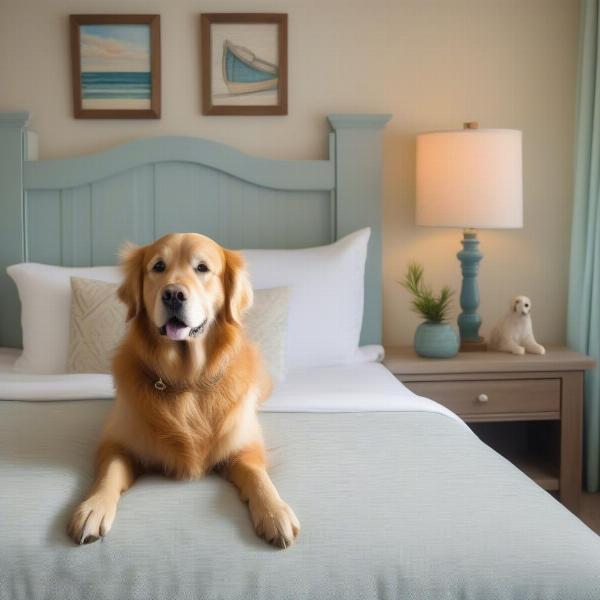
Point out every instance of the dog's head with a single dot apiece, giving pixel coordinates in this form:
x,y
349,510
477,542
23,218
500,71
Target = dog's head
x,y
183,283
521,305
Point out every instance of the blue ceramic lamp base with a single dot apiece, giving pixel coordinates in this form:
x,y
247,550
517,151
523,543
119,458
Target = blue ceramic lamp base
x,y
469,320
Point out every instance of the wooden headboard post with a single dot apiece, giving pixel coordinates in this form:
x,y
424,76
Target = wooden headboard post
x,y
358,174
78,211
12,218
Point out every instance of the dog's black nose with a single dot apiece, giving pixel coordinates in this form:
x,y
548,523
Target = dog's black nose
x,y
174,296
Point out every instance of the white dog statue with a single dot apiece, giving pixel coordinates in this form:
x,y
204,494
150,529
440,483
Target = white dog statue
x,y
514,332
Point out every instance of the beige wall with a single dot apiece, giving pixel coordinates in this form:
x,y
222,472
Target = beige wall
x,y
432,63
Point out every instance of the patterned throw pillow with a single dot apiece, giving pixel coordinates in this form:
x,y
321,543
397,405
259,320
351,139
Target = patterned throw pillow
x,y
266,325
98,324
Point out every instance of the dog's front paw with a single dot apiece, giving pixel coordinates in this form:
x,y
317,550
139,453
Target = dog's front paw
x,y
92,519
539,349
518,350
276,523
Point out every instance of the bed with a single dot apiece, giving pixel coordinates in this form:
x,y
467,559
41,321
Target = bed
x,y
381,479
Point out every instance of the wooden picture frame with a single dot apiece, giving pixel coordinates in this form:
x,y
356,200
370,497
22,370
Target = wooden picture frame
x,y
267,94
131,88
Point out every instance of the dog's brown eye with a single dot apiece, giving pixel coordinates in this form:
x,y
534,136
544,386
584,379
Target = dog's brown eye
x,y
159,266
202,268
527,306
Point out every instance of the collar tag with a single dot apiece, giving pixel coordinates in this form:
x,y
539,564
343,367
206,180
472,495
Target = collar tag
x,y
160,385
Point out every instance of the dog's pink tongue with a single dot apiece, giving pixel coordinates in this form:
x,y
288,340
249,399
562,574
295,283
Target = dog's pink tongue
x,y
177,331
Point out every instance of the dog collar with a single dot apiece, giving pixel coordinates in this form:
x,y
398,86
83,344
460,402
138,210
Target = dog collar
x,y
157,382
161,386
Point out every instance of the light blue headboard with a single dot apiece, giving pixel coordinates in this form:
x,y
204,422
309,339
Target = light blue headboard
x,y
78,211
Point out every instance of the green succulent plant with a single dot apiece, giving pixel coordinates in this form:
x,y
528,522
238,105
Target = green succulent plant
x,y
424,302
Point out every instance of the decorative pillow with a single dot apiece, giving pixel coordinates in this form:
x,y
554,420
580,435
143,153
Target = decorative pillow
x,y
266,323
98,324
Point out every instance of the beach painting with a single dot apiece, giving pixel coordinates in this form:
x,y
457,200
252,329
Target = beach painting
x,y
115,66
244,63
115,69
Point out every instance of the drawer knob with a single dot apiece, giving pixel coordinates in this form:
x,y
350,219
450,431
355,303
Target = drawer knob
x,y
482,398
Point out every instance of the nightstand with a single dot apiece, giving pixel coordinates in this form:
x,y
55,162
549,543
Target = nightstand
x,y
528,408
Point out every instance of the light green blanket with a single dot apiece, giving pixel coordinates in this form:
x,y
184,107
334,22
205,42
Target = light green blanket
x,y
392,505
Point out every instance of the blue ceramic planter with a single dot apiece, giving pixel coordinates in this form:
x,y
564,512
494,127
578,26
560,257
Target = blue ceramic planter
x,y
436,340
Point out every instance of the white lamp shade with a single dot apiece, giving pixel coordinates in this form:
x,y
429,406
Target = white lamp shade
x,y
471,178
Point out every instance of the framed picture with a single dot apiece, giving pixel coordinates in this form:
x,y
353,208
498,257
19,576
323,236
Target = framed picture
x,y
116,66
244,64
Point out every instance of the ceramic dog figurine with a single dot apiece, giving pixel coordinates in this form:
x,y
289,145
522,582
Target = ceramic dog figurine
x,y
514,333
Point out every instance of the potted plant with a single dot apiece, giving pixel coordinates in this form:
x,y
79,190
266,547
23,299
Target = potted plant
x,y
434,338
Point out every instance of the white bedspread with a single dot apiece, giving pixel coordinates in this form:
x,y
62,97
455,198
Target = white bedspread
x,y
366,387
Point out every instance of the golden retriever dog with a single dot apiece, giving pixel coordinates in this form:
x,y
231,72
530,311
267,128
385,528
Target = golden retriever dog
x,y
188,383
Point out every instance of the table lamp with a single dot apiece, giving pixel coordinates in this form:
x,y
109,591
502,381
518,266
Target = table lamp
x,y
470,178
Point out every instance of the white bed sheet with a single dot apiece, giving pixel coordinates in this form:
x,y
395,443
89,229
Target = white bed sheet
x,y
367,387
68,386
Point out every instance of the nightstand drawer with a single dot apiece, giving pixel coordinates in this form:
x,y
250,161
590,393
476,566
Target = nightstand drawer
x,y
493,396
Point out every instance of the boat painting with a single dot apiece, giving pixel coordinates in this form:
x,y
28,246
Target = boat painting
x,y
244,64
245,73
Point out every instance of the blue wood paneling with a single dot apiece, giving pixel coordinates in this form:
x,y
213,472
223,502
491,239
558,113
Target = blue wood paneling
x,y
235,213
12,230
76,226
122,209
44,227
186,197
275,174
87,225
358,201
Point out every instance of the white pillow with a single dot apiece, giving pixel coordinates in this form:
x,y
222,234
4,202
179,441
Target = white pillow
x,y
325,311
327,297
45,294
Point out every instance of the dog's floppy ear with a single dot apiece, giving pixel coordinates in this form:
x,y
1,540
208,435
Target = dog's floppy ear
x,y
238,290
130,292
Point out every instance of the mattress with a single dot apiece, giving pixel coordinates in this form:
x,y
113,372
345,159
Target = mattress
x,y
398,502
